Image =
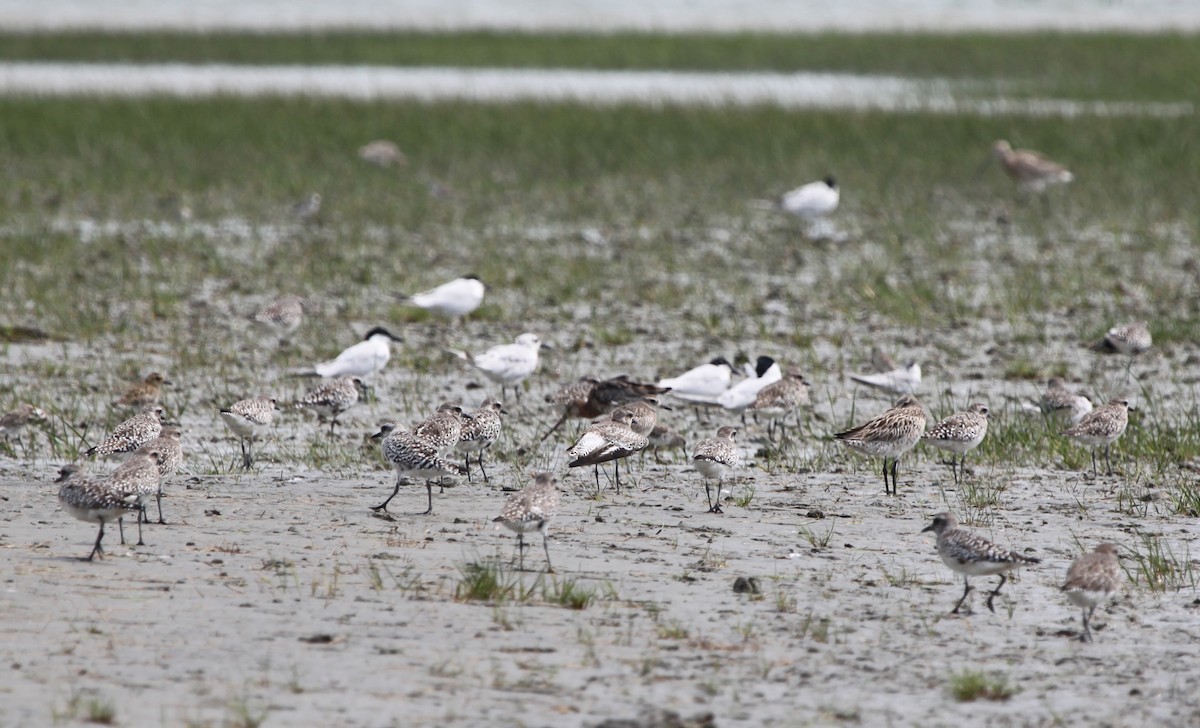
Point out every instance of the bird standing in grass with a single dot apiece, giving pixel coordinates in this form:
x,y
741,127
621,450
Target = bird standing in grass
x,y
888,436
959,434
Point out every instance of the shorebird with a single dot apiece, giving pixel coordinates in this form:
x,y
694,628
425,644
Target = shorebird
x,y
138,478
606,441
365,358
169,447
664,438
480,432
382,153
131,434
531,509
1032,171
777,400
713,458
453,300
307,210
959,434
889,435
812,201
333,398
15,420
1092,580
643,414
590,398
971,555
92,501
702,384
1102,427
248,419
901,380
411,456
1129,339
741,395
1061,405
145,392
281,316
507,364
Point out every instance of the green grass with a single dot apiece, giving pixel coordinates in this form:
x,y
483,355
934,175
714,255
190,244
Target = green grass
x,y
1092,65
969,686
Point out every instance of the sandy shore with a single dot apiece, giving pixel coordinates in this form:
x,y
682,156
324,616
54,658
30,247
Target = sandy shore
x,y
279,596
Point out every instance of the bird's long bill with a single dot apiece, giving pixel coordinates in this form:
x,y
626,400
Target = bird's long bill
x,y
547,346
378,435
927,529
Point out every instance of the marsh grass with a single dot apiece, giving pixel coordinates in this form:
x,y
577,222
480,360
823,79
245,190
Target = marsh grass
x,y
1091,65
493,582
1156,565
971,685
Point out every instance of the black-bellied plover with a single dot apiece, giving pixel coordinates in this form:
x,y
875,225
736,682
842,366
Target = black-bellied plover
x,y
91,500
382,153
443,428
412,456
480,432
901,380
713,458
139,478
1092,580
888,436
971,555
333,398
452,300
365,358
777,400
1129,340
643,414
169,446
741,395
1063,406
702,384
531,509
1101,428
609,440
143,394
131,434
281,316
959,434
249,419
15,420
507,364
1032,171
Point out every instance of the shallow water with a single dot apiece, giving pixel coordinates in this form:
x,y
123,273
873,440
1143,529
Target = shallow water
x,y
672,15
494,85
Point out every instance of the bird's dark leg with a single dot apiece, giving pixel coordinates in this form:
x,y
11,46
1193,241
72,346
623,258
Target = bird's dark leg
x,y
1087,625
1107,459
141,515
383,506
1094,474
708,494
992,594
520,551
557,425
716,507
96,550
546,548
895,487
617,474
159,499
469,467
121,528
885,477
485,475
963,598
429,493
246,459
596,470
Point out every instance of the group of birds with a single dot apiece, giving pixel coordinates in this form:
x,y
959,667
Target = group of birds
x,y
624,416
